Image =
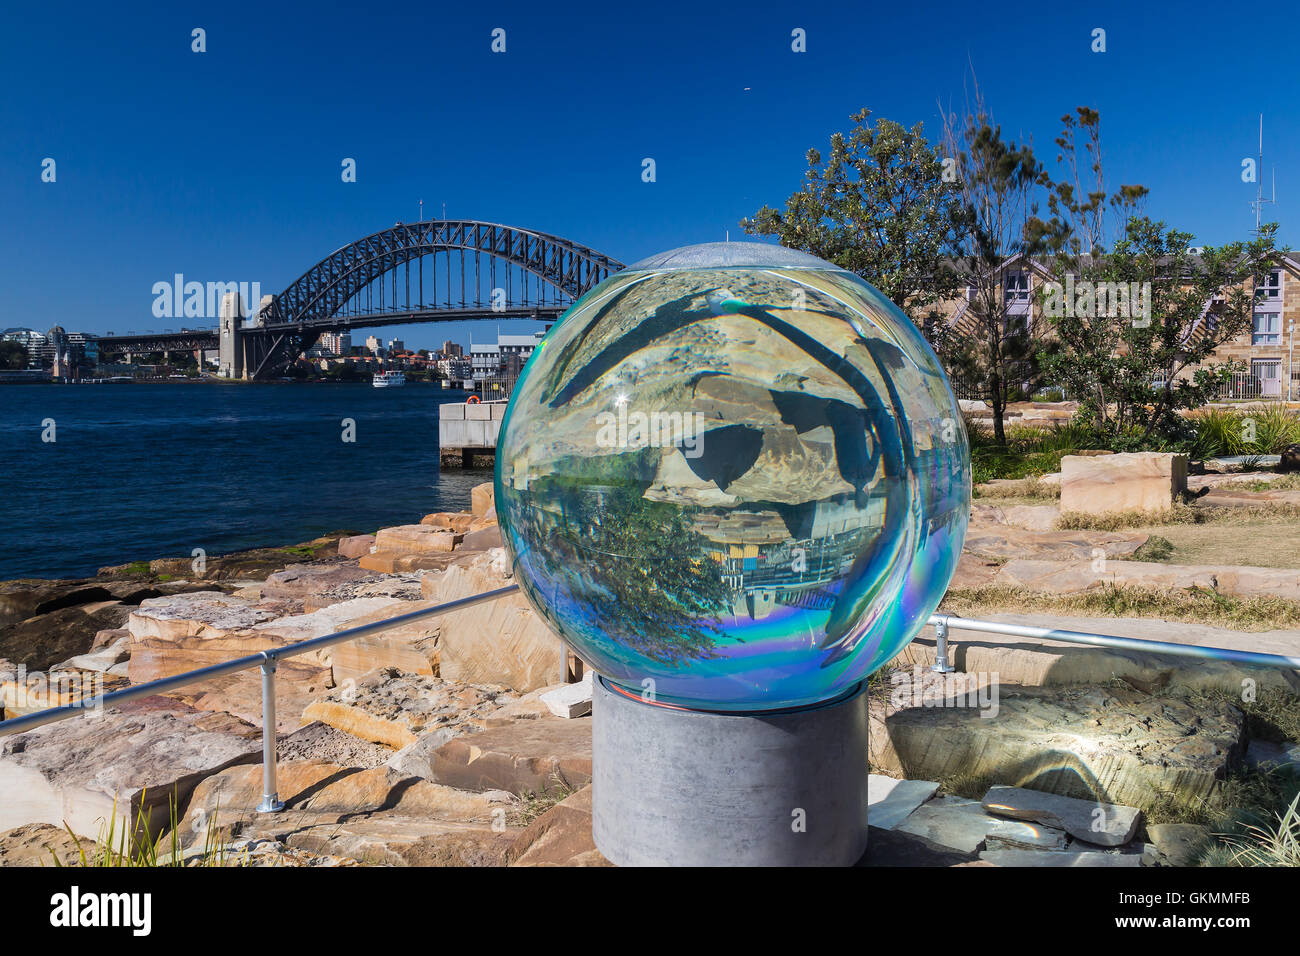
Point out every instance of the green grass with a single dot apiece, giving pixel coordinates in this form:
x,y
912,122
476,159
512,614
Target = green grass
x,y
1252,431
137,847
1157,548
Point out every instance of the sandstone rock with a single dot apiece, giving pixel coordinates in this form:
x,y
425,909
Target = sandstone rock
x,y
395,562
890,801
571,700
1088,820
327,620
129,762
42,844
499,642
1066,858
299,581
482,498
417,539
374,816
356,546
483,539
411,648
408,841
1074,741
1137,481
1074,546
42,641
559,837
1179,844
527,755
325,744
197,614
105,658
458,522
394,709
1028,517
298,683
1227,498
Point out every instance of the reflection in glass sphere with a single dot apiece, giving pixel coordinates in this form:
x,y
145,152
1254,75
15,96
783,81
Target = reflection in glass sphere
x,y
733,477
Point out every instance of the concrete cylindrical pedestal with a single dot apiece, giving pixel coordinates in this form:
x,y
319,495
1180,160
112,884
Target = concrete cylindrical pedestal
x,y
675,787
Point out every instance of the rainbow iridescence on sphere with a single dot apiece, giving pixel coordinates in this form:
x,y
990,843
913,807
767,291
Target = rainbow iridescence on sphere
x,y
733,477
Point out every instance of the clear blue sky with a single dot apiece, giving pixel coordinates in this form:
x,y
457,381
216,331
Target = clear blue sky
x,y
225,165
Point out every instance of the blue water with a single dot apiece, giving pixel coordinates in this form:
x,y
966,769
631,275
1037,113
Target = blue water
x,y
149,471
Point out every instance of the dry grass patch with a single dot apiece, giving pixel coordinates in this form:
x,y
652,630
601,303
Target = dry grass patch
x,y
1029,490
1192,606
1178,514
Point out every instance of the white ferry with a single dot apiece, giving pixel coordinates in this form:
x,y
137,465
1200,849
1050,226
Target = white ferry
x,y
389,379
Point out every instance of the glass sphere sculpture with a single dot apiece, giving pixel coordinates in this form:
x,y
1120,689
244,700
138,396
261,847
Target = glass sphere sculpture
x,y
733,477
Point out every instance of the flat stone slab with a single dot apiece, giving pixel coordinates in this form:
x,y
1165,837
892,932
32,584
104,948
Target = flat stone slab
x,y
886,848
394,708
1018,835
1112,742
527,755
954,822
199,613
130,762
571,700
374,816
303,580
1070,547
890,801
1061,859
1102,824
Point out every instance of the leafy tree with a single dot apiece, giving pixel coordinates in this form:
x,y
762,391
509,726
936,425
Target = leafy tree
x,y
1135,369
13,355
877,206
992,346
1135,324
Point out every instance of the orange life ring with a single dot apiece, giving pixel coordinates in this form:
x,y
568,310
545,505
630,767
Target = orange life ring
x,y
473,400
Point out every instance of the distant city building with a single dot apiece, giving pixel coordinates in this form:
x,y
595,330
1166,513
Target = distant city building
x,y
396,345
374,345
451,350
34,342
456,369
336,343
506,355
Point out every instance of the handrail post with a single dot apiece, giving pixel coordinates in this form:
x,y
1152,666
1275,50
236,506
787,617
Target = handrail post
x,y
270,798
941,665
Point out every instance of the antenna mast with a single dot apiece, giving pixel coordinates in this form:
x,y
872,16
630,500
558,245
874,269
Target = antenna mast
x,y
1260,201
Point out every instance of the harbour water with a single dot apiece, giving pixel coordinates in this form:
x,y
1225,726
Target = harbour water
x,y
106,474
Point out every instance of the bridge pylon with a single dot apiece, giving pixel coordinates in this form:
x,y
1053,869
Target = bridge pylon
x,y
230,348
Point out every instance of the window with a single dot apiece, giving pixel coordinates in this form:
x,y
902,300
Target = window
x,y
1267,329
1017,289
1270,286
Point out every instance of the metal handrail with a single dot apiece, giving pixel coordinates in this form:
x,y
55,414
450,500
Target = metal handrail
x,y
266,660
943,623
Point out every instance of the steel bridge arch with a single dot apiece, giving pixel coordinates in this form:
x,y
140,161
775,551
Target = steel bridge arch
x,y
319,293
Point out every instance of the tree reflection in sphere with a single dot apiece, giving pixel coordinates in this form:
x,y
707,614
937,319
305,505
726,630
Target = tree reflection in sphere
x,y
733,477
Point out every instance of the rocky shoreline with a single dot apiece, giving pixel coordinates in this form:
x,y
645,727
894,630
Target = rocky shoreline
x,y
465,740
